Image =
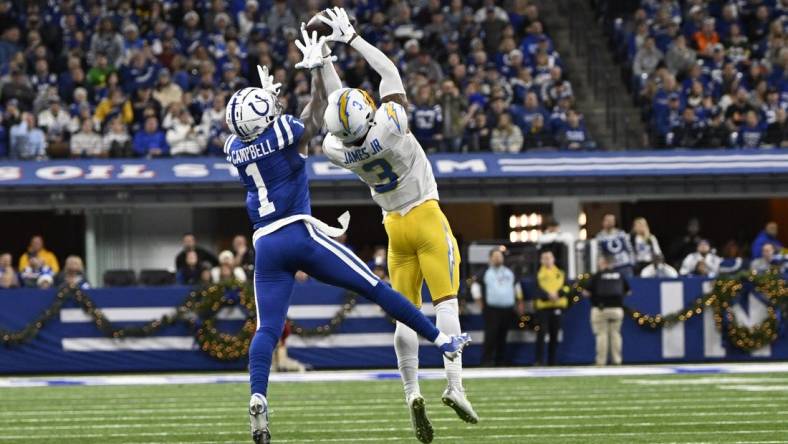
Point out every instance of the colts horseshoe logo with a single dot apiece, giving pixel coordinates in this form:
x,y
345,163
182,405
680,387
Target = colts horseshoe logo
x,y
267,106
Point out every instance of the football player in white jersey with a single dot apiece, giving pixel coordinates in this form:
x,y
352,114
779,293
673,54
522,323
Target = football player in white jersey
x,y
377,145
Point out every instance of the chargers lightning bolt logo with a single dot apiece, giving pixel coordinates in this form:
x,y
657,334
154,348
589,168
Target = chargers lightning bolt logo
x,y
392,115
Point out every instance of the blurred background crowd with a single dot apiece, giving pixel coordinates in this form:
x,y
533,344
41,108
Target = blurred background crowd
x,y
709,74
150,78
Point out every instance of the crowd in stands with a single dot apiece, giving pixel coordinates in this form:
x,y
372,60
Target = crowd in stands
x,y
122,78
196,265
709,74
40,268
638,253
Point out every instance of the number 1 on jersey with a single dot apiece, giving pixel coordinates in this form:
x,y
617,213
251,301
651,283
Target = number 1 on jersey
x,y
266,207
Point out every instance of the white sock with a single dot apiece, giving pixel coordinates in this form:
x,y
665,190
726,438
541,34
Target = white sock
x,y
448,320
406,344
442,338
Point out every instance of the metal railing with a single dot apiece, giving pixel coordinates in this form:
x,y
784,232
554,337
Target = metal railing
x,y
601,82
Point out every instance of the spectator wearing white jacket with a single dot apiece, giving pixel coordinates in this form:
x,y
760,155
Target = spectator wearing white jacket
x,y
506,137
227,270
56,121
659,269
184,137
87,143
703,262
644,243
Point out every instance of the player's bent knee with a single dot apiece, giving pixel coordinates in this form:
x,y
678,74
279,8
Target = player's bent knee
x,y
437,301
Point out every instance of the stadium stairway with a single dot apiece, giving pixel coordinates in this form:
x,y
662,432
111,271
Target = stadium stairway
x,y
600,94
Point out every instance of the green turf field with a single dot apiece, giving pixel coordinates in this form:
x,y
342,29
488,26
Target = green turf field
x,y
641,409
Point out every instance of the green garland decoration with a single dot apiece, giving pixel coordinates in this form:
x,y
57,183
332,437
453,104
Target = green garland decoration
x,y
204,304
201,304
720,299
330,327
218,344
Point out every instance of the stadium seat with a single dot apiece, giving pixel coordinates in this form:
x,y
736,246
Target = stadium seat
x,y
155,278
120,278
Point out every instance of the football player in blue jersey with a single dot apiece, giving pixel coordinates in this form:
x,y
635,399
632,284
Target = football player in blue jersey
x,y
269,150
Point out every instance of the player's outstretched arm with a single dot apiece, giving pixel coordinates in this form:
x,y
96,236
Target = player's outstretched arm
x,y
267,80
312,115
331,80
391,87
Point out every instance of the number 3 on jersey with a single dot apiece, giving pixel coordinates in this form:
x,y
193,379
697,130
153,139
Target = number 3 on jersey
x,y
266,207
385,172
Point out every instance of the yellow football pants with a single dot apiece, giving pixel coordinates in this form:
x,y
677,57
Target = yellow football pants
x,y
422,247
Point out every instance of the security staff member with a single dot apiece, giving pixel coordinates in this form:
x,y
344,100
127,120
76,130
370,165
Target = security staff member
x,y
499,295
607,290
549,305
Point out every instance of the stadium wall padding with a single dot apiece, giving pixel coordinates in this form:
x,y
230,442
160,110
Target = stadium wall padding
x,y
72,343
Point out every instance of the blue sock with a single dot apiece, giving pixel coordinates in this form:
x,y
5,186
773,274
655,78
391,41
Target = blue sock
x,y
260,353
399,308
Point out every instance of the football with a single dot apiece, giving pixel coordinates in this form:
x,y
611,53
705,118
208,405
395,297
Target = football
x,y
315,25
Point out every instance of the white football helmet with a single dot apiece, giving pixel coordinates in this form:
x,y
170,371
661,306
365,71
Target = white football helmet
x,y
250,111
350,114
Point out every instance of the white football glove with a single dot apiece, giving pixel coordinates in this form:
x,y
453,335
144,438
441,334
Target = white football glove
x,y
342,30
311,48
267,80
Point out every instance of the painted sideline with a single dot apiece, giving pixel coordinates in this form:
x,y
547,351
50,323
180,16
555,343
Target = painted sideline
x,y
376,375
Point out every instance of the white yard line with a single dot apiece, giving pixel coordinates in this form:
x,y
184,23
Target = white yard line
x,y
485,418
340,410
481,426
312,406
359,375
526,435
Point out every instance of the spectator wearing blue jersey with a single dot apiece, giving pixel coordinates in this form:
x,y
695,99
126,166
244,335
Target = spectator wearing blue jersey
x,y
767,236
131,40
534,38
150,141
525,114
667,120
139,74
616,245
751,134
34,270
9,42
574,136
427,120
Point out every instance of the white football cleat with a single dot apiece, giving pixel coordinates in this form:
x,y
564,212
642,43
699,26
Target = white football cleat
x,y
258,419
453,349
418,416
457,400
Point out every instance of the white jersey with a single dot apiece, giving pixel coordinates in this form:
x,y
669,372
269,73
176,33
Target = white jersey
x,y
391,161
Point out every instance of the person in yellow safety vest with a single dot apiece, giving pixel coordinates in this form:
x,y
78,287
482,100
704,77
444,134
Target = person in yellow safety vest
x,y
549,305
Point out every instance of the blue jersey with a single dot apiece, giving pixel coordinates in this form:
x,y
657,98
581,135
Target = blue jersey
x,y
272,171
